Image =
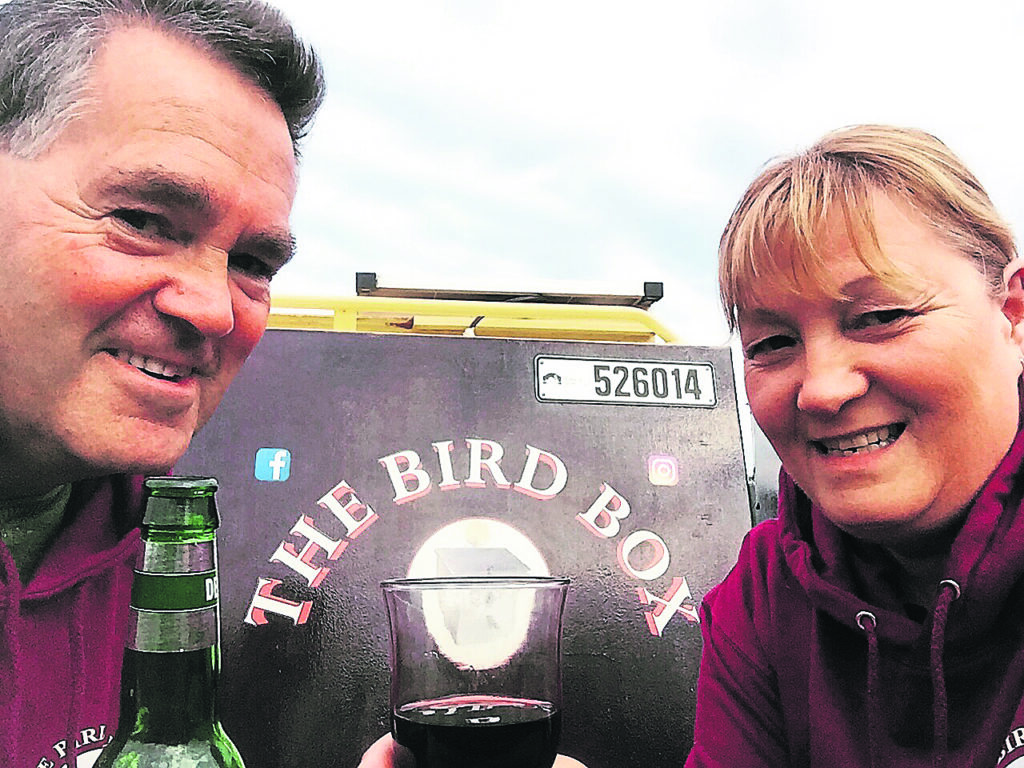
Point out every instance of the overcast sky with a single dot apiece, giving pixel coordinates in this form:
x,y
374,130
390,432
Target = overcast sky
x,y
570,145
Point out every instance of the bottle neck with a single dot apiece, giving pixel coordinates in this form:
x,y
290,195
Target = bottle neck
x,y
172,658
170,698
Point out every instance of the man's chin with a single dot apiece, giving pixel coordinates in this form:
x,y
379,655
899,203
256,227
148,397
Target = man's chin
x,y
140,456
141,466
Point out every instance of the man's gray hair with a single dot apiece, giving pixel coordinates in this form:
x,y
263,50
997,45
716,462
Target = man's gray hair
x,y
47,47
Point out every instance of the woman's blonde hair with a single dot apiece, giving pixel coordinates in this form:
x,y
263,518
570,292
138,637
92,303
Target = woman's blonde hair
x,y
779,226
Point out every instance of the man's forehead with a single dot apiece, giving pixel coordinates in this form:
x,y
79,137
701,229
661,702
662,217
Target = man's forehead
x,y
167,67
148,81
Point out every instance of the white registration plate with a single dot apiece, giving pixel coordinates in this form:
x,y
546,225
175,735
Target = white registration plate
x,y
632,382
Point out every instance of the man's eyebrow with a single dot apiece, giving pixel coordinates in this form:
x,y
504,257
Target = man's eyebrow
x,y
166,188
161,188
278,248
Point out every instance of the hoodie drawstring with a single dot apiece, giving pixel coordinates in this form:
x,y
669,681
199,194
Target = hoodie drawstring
x,y
867,622
949,591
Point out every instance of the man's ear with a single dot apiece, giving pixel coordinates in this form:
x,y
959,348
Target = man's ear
x,y
1013,298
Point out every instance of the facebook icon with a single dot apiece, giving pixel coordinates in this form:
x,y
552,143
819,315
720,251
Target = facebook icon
x,y
273,464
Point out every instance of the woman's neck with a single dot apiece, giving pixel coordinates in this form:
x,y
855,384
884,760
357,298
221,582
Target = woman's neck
x,y
923,561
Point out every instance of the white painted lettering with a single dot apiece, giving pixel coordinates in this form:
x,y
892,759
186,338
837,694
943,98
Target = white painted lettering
x,y
609,509
304,527
444,449
485,454
343,503
658,557
264,601
403,467
641,554
301,561
664,608
559,475
298,561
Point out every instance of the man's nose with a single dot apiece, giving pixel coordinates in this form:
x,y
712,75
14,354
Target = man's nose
x,y
197,290
832,377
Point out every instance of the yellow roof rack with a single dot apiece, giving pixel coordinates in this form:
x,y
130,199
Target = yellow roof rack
x,y
581,317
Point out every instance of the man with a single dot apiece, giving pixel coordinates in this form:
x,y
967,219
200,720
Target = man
x,y
147,172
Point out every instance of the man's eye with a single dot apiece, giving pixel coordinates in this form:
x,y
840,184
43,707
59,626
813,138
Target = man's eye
x,y
143,222
879,317
768,345
251,265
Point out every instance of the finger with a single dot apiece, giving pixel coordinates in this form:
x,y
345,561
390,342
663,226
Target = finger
x,y
385,753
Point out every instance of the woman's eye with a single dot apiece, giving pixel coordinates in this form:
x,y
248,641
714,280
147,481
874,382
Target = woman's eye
x,y
768,345
143,222
879,317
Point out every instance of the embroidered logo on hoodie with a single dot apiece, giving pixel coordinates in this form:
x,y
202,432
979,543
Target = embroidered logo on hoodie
x,y
86,750
1012,754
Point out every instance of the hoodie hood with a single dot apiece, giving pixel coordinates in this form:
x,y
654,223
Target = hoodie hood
x,y
857,584
100,516
812,658
62,634
844,576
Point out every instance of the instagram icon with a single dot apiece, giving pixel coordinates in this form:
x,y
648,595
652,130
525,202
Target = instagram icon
x,y
662,469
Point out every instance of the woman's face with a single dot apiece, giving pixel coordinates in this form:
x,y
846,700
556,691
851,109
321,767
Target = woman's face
x,y
891,407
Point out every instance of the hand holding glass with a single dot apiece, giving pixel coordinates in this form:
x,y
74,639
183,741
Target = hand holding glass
x,y
476,669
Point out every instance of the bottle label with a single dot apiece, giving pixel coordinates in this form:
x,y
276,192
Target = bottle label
x,y
163,592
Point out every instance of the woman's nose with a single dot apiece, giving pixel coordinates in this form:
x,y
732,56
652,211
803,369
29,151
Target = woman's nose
x,y
831,378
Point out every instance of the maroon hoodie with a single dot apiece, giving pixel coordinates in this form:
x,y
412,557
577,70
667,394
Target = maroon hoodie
x,y
62,635
811,659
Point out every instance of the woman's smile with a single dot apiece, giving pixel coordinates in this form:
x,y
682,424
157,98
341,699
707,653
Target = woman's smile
x,y
859,443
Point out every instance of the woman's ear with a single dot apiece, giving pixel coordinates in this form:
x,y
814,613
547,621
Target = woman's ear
x,y
1013,298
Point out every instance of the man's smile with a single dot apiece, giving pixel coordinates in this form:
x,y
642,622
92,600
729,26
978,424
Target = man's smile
x,y
158,369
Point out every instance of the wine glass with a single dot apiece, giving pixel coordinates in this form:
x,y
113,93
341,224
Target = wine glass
x,y
476,669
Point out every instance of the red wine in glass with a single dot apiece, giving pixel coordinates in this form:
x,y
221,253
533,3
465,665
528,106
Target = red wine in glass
x,y
479,731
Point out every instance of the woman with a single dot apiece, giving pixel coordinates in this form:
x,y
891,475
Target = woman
x,y
879,619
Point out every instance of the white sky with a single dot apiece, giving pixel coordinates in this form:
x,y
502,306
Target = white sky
x,y
580,145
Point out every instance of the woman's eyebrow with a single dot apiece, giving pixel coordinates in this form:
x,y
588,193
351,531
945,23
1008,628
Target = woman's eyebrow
x,y
760,315
861,286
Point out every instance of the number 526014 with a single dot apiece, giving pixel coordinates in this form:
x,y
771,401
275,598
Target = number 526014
x,y
625,381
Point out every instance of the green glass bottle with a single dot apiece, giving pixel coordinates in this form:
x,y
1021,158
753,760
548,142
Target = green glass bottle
x,y
172,655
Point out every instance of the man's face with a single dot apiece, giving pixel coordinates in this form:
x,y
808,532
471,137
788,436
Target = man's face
x,y
136,253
